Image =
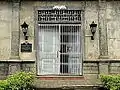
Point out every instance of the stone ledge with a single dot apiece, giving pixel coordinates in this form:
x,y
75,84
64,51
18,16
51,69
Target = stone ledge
x,y
101,60
81,86
66,83
78,76
60,77
84,61
16,60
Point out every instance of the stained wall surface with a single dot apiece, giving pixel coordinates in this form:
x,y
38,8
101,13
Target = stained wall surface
x,y
5,30
106,41
91,48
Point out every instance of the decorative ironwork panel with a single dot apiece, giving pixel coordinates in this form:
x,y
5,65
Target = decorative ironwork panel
x,y
59,16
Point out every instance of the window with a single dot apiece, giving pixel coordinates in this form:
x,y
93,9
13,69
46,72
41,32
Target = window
x,y
59,42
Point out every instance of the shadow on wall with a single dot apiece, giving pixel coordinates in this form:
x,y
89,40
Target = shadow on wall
x,y
102,88
49,89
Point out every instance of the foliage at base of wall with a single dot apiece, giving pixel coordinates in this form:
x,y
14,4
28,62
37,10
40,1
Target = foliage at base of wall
x,y
111,82
18,81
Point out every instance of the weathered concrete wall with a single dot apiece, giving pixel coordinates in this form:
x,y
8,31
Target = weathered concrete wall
x,y
113,29
90,14
3,70
27,15
92,50
91,46
114,68
5,29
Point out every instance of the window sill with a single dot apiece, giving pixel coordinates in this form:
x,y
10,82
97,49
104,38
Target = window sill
x,y
60,77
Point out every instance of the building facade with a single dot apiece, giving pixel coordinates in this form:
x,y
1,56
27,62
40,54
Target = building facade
x,y
56,41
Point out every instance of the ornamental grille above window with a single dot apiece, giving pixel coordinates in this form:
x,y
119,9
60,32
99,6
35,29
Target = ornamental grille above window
x,y
59,16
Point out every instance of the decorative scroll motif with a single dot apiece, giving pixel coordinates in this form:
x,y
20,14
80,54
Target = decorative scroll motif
x,y
59,7
59,16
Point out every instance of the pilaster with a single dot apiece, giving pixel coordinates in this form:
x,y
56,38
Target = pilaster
x,y
15,36
102,30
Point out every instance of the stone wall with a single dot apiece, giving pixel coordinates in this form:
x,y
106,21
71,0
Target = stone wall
x,y
91,68
10,33
106,15
3,70
91,48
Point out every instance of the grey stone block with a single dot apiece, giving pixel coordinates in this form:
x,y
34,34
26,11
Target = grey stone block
x,y
3,69
90,68
28,67
114,68
14,67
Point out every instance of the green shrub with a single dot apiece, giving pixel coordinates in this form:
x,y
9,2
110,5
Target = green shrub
x,y
111,82
3,85
18,81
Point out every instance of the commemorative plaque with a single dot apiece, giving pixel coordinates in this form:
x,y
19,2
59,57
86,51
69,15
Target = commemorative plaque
x,y
26,47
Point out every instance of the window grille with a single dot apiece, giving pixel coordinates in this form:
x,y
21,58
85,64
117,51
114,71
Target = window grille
x,y
59,16
59,43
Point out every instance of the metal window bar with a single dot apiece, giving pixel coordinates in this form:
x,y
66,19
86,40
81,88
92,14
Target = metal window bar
x,y
65,49
59,44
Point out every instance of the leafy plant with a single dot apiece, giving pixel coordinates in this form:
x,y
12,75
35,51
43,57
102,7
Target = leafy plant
x,y
18,81
3,85
111,82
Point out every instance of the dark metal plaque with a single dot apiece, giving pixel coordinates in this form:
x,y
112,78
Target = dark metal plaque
x,y
26,47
